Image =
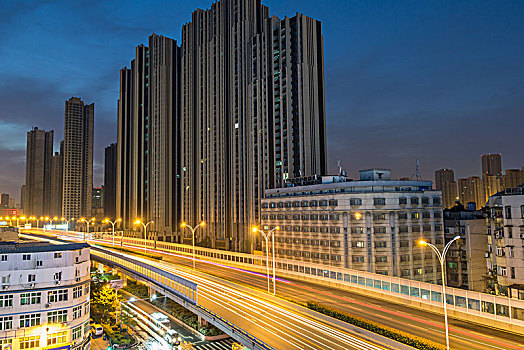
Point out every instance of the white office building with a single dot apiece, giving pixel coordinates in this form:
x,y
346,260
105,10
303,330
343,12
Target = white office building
x,y
44,296
370,225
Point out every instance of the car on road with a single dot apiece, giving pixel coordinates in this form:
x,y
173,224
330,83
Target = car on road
x,y
97,329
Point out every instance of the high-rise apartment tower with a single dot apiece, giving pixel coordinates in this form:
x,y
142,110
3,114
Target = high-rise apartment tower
x,y
39,155
78,158
205,128
110,181
445,182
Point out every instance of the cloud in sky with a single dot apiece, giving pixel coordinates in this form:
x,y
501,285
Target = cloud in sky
x,y
442,82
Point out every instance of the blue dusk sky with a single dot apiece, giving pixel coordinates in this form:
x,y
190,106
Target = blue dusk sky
x,y
438,81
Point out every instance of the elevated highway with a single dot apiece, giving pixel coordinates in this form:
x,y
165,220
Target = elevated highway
x,y
237,310
464,335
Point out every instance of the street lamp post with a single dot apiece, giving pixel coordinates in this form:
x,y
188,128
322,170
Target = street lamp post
x,y
442,259
67,222
113,224
202,224
137,222
51,221
87,222
38,220
266,236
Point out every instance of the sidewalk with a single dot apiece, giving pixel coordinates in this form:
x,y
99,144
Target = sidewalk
x,y
99,343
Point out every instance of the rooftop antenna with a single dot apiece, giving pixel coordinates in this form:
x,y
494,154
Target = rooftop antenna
x,y
416,173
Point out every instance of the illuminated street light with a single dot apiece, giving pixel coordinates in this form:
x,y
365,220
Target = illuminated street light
x,y
138,222
113,224
442,259
202,224
87,222
51,220
266,236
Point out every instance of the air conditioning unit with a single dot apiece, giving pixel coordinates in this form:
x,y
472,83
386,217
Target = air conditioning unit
x,y
47,305
32,285
77,279
57,282
522,236
5,286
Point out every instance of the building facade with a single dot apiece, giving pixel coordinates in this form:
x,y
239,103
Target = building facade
x,y
147,172
513,178
57,181
491,164
465,261
44,299
110,181
371,225
470,190
445,182
77,159
4,201
39,157
252,113
505,256
205,128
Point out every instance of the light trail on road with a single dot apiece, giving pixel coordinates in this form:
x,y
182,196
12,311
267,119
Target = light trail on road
x,y
421,323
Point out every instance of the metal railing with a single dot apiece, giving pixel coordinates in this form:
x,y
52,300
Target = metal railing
x,y
179,286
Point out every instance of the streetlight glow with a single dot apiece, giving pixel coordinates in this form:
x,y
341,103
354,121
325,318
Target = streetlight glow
x,y
193,229
138,222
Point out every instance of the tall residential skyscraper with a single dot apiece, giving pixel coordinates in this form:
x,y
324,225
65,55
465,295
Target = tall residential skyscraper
x,y
492,164
252,102
4,201
39,155
57,181
110,181
470,191
22,196
78,158
205,128
147,143
445,182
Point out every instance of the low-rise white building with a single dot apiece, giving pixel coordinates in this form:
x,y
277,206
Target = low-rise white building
x,y
44,295
505,256
371,225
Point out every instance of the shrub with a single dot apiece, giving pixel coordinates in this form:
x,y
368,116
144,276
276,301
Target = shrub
x,y
392,333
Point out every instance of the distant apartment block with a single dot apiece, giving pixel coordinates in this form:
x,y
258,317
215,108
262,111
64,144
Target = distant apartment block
x,y
4,201
445,182
370,225
513,178
38,171
491,164
470,190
